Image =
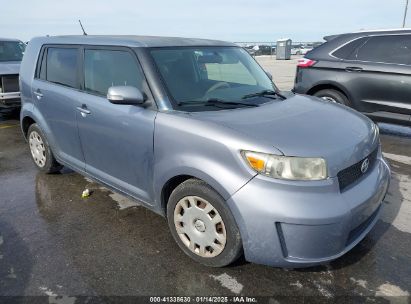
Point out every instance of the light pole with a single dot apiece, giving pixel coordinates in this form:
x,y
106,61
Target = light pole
x,y
405,13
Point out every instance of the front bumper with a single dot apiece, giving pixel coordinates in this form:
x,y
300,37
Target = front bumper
x,y
300,224
11,99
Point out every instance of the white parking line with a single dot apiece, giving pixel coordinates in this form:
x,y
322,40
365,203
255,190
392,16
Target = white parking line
x,y
229,282
398,210
389,290
123,202
398,158
57,299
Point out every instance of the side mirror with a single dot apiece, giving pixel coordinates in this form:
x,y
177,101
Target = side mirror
x,y
126,95
269,75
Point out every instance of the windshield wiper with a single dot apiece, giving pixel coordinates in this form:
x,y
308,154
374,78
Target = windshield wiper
x,y
216,102
265,93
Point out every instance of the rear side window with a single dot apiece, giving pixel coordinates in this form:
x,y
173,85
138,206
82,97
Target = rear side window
x,y
106,68
62,66
347,50
386,49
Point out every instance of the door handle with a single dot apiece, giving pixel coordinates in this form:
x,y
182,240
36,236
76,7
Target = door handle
x,y
353,69
83,110
38,94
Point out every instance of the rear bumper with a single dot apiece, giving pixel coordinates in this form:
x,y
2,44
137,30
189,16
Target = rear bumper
x,y
294,224
10,100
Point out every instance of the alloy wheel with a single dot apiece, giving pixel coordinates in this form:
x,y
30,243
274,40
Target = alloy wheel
x,y
329,99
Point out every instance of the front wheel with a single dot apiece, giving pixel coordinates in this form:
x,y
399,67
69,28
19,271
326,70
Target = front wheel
x,y
40,151
202,225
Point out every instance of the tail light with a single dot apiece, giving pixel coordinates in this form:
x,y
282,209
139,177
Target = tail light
x,y
305,63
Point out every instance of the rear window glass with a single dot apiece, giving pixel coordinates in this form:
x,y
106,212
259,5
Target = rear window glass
x,y
386,49
11,50
62,66
347,50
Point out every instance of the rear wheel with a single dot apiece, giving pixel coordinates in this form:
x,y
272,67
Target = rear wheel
x,y
202,225
333,96
40,151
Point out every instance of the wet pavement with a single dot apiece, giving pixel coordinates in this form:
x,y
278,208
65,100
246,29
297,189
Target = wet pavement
x,y
54,243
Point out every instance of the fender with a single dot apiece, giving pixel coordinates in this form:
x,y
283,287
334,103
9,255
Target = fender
x,y
36,115
213,181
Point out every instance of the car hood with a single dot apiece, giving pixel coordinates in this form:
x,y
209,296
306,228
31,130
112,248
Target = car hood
x,y
304,126
9,67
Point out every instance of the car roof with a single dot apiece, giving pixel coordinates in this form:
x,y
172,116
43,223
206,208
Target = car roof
x,y
130,40
370,32
333,42
9,39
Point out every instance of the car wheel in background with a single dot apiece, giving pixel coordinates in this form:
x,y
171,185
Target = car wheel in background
x,y
334,96
202,225
40,151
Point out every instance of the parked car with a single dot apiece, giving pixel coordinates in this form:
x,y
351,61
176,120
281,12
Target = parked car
x,y
258,50
300,49
251,50
196,131
295,50
11,54
368,71
304,49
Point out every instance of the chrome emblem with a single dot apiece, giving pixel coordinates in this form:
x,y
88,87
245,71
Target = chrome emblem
x,y
364,166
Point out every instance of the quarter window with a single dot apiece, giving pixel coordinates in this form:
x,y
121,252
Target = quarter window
x,y
43,66
346,51
62,66
386,49
106,68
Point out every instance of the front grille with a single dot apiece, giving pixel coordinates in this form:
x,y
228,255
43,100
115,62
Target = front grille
x,y
10,83
353,173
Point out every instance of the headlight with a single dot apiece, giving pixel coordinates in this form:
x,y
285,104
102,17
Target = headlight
x,y
284,167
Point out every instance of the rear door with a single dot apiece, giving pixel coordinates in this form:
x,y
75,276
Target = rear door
x,y
56,93
380,74
117,140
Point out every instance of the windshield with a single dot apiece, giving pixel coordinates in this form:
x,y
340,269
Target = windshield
x,y
11,50
196,75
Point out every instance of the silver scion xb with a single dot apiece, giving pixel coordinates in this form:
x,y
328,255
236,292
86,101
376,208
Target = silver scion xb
x,y
196,131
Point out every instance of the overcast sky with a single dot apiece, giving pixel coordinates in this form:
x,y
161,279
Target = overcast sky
x,y
233,20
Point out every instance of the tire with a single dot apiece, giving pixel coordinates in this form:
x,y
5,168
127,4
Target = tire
x,y
40,151
197,221
333,96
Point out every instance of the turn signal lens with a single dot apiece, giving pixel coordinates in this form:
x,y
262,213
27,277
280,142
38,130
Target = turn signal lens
x,y
284,167
256,161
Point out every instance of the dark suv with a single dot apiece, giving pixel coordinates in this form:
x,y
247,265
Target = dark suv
x,y
368,71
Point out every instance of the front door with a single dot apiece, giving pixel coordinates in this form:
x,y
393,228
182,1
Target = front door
x,y
117,140
382,69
